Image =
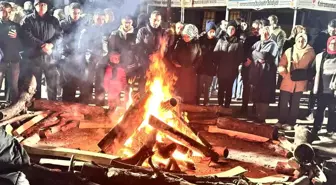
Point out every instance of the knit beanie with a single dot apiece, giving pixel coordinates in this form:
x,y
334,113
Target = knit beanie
x,y
41,1
190,30
210,25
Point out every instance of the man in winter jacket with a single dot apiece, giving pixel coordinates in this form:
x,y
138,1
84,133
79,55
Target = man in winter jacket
x,y
277,35
207,69
93,44
10,45
41,33
72,61
148,40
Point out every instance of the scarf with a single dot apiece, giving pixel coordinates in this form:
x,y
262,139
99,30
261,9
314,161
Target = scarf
x,y
330,52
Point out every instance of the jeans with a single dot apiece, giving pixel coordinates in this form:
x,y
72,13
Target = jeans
x,y
262,110
237,90
12,71
225,89
204,84
286,114
324,101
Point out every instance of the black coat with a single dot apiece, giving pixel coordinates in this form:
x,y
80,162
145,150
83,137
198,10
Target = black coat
x,y
188,54
320,42
37,31
207,66
249,42
10,47
149,39
125,44
230,54
71,34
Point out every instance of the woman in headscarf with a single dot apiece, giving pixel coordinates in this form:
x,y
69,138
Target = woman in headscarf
x,y
298,57
291,40
325,87
262,75
230,53
186,58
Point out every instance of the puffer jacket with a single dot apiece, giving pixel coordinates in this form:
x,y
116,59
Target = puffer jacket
x,y
188,54
37,31
230,54
207,66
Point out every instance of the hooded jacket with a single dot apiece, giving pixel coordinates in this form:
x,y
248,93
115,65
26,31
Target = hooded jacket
x,y
11,47
230,54
37,31
302,59
207,66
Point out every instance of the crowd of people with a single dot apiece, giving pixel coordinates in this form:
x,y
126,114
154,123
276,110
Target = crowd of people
x,y
99,56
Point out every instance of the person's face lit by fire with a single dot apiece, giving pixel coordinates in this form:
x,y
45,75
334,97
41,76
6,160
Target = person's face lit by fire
x,y
41,8
186,38
211,34
301,43
179,28
255,29
331,31
231,30
155,21
5,13
75,14
264,33
126,24
115,58
99,20
332,45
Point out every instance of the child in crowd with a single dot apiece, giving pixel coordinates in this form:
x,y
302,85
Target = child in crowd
x,y
115,80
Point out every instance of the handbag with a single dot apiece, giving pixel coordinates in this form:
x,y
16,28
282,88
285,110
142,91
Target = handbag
x,y
300,74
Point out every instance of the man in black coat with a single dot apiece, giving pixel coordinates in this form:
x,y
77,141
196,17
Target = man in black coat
x,y
72,61
148,40
93,44
41,33
10,45
207,69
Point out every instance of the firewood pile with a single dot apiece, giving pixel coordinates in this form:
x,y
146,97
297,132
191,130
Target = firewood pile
x,y
131,152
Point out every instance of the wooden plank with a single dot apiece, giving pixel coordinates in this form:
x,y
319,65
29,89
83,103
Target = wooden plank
x,y
95,124
29,124
99,158
59,162
21,117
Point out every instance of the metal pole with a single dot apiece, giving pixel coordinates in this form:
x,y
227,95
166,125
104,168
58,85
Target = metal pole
x,y
169,11
227,13
303,18
294,18
182,11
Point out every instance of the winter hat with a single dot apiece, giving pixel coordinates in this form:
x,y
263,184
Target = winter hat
x,y
190,30
210,25
232,23
41,1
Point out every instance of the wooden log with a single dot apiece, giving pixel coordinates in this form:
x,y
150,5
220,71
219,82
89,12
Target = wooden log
x,y
302,135
24,99
185,140
72,124
139,157
277,149
201,116
205,109
99,158
75,108
29,124
166,150
72,115
54,129
131,120
97,124
284,168
263,130
204,122
21,117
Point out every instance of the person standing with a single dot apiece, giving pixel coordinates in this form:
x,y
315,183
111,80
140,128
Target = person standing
x,y
207,69
93,43
11,46
148,41
230,52
325,86
319,46
41,32
297,58
70,69
249,42
290,42
277,35
186,58
262,74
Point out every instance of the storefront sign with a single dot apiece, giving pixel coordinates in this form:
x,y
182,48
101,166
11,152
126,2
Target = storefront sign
x,y
259,4
322,5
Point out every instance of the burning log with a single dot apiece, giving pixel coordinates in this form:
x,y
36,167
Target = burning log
x,y
21,104
132,119
250,128
202,116
139,157
74,108
204,122
205,109
21,117
185,140
166,150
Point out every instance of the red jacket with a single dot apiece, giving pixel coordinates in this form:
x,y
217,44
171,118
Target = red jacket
x,y
114,86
